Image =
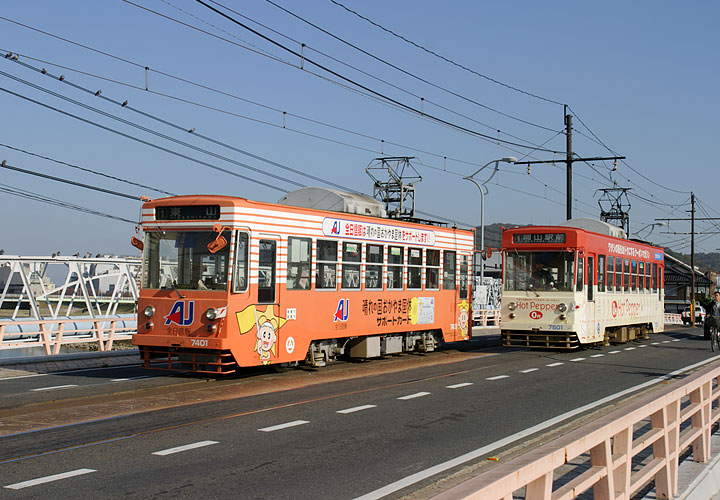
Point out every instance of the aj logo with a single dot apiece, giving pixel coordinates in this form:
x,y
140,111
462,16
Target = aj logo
x,y
336,228
343,310
180,315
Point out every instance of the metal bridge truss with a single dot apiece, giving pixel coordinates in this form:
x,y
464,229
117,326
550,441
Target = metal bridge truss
x,y
98,285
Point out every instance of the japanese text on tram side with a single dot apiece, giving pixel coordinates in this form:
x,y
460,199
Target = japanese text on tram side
x,y
377,232
619,249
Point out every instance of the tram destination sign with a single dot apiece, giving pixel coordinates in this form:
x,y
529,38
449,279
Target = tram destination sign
x,y
539,238
188,212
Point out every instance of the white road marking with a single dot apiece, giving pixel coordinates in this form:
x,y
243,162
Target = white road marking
x,y
665,341
578,359
413,396
458,386
676,340
554,364
186,447
54,387
284,426
655,343
48,479
529,370
357,408
479,452
597,355
629,349
497,377
129,378
613,352
642,345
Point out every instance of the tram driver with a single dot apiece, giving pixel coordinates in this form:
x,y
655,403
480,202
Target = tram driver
x,y
541,277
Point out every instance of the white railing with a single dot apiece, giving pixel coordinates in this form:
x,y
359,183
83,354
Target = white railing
x,y
673,319
617,454
486,317
52,333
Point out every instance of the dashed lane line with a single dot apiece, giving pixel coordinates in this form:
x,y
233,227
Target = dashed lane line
x,y
186,447
554,364
497,377
278,427
129,378
458,386
613,352
48,479
53,387
529,370
629,349
413,396
597,355
578,359
356,408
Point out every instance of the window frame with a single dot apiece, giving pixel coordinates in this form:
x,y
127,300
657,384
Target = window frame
x,y
322,264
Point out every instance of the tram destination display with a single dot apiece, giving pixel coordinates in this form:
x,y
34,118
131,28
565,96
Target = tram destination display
x,y
539,238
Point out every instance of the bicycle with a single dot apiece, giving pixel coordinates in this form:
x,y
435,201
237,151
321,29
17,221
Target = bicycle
x,y
714,336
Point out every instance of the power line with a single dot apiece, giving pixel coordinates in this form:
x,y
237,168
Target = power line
x,y
375,93
88,170
446,59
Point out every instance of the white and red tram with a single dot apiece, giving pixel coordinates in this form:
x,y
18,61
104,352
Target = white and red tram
x,y
577,284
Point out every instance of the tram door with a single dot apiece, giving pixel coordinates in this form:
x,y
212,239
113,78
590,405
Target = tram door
x,y
267,272
593,328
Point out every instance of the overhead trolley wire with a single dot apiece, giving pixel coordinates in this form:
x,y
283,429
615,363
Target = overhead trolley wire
x,y
373,92
379,59
440,56
88,170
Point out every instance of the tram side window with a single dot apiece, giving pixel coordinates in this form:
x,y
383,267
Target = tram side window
x,y
610,273
618,274
633,275
601,273
626,275
641,276
432,269
240,281
299,260
580,274
463,277
660,281
415,268
395,267
352,253
373,269
449,270
648,277
326,274
654,277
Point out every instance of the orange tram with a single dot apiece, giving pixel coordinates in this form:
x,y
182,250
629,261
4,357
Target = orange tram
x,y
228,282
578,284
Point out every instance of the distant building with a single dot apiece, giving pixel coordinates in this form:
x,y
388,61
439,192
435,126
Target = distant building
x,y
678,284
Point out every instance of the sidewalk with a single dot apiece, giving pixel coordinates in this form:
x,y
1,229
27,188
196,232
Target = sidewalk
x,y
16,367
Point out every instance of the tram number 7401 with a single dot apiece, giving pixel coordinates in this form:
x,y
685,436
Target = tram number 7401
x,y
199,342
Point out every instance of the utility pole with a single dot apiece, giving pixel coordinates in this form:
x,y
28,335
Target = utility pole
x,y
569,160
692,255
568,163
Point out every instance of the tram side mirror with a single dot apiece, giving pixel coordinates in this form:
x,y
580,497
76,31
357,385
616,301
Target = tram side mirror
x,y
137,242
218,243
488,253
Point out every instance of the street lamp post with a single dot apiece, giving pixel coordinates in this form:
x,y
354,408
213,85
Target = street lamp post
x,y
651,226
483,189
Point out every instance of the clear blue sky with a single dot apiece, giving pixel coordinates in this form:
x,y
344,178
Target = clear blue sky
x,y
640,77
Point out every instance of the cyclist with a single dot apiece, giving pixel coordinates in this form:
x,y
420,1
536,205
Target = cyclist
x,y
713,314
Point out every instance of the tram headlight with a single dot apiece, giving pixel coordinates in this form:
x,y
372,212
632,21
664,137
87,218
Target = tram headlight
x,y
211,314
562,316
149,325
212,328
511,315
561,307
149,311
512,306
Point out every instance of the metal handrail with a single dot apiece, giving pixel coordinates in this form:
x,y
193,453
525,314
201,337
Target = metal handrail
x,y
51,334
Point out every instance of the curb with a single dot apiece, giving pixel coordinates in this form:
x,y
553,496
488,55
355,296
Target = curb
x,y
68,357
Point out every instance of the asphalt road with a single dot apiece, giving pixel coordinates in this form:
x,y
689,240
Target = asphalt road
x,y
377,433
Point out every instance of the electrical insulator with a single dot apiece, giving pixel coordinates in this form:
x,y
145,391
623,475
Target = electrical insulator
x,y
528,169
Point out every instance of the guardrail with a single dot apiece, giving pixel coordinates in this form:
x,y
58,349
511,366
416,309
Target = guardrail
x,y
673,319
617,454
52,333
486,317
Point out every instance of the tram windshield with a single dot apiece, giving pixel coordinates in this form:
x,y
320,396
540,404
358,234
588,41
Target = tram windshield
x,y
181,260
539,271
